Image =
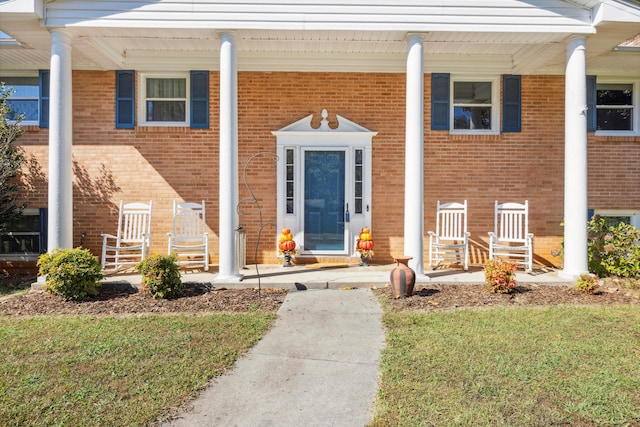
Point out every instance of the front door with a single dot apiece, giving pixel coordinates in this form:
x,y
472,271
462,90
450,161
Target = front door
x,y
324,201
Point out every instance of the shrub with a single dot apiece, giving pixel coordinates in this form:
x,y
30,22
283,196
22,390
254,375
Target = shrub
x,y
613,250
71,273
500,276
161,276
588,284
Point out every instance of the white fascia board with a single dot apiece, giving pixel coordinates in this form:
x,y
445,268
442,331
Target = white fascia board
x,y
30,7
614,11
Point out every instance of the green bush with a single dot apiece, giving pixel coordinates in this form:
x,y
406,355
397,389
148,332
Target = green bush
x,y
71,273
161,276
500,276
588,284
614,250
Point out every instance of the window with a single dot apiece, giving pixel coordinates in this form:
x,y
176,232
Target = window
x,y
289,182
26,238
358,181
165,99
474,107
614,108
24,99
614,217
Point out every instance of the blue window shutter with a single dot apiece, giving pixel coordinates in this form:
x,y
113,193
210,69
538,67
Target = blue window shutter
x,y
440,101
43,76
44,221
125,99
511,103
200,99
592,116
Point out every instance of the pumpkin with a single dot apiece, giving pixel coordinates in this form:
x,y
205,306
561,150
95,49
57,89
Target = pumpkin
x,y
365,230
365,236
286,231
367,245
289,236
288,245
283,238
359,244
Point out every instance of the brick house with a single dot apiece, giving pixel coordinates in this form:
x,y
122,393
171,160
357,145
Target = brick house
x,y
395,104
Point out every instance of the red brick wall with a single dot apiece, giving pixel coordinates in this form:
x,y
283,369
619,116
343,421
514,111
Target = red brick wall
x,y
180,163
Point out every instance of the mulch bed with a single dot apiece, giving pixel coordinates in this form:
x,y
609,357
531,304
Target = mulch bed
x,y
198,298
204,298
452,296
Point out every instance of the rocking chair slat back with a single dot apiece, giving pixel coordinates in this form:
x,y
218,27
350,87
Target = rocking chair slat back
x,y
450,241
511,238
189,239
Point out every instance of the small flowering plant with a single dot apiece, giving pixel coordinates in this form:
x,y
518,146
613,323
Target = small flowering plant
x,y
500,276
588,284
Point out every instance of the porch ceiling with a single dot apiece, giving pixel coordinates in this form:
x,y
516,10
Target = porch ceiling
x,y
103,48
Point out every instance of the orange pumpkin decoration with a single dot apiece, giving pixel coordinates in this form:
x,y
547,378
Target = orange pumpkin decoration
x,y
367,245
286,231
288,245
365,230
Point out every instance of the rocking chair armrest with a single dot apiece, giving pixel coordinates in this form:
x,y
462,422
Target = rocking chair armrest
x,y
105,237
431,233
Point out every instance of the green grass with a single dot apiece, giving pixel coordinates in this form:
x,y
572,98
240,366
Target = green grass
x,y
511,367
129,371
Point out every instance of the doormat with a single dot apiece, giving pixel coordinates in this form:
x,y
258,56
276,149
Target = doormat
x,y
324,265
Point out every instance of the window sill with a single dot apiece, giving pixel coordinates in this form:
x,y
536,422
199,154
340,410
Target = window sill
x,y
20,257
474,132
617,133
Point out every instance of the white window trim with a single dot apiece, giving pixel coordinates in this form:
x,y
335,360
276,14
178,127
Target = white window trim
x,y
635,120
634,214
30,256
142,96
25,122
495,105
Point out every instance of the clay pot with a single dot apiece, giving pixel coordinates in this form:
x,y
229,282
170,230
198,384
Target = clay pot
x,y
403,278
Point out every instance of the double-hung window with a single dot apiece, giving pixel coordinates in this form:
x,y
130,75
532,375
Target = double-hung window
x,y
471,105
475,105
617,107
24,98
165,99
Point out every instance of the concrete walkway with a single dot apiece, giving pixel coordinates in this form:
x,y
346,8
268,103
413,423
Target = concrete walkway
x,y
318,366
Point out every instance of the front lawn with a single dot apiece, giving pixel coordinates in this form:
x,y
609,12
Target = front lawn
x,y
126,371
526,366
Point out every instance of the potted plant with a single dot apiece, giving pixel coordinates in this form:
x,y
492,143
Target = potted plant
x,y
287,246
364,245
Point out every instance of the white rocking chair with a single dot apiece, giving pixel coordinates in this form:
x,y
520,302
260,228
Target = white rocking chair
x,y
131,244
189,239
511,238
450,241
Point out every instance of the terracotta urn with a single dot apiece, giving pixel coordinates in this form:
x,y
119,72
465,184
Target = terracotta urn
x,y
402,277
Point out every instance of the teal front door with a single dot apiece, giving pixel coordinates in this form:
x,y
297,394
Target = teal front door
x,y
324,201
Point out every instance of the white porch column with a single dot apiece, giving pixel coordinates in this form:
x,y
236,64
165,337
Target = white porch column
x,y
60,224
575,161
228,194
414,157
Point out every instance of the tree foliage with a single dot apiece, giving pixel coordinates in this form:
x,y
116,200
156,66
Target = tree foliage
x,y
11,159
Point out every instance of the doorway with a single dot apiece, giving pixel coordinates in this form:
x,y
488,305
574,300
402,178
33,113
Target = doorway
x,y
324,185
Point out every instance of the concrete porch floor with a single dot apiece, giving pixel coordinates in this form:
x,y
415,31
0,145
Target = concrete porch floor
x,y
335,276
